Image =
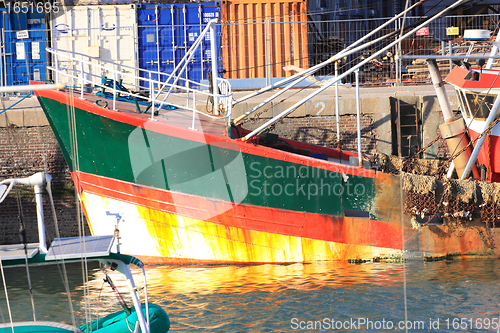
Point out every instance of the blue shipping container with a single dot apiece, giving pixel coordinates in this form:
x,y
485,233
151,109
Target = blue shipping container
x,y
167,31
25,40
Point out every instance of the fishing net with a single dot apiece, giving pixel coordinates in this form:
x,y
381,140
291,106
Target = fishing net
x,y
420,194
490,210
394,164
459,198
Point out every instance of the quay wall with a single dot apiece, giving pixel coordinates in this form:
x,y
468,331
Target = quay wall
x,y
27,145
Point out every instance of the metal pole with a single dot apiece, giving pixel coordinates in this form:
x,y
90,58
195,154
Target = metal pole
x,y
57,66
200,13
494,51
186,83
450,50
152,96
174,47
397,53
215,74
337,104
117,28
34,87
82,78
4,59
157,22
326,86
114,87
266,50
358,120
450,170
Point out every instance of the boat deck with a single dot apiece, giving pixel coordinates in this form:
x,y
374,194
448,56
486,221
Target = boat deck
x,y
178,117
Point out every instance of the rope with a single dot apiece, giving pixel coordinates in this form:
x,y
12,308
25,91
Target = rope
x,y
19,101
64,273
22,234
414,156
401,194
6,296
76,166
98,301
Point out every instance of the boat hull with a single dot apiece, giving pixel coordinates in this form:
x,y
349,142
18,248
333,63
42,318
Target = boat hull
x,y
120,322
185,196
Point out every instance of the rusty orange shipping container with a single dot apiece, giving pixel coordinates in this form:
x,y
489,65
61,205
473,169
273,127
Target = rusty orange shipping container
x,y
260,37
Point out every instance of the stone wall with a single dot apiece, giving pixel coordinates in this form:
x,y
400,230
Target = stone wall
x,y
27,146
66,213
27,150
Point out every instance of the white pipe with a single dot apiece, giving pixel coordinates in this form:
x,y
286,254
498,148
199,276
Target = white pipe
x,y
440,90
31,87
40,221
479,143
37,181
450,170
358,118
125,269
494,51
453,57
320,90
279,92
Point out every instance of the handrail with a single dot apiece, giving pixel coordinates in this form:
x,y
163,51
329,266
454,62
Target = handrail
x,y
75,70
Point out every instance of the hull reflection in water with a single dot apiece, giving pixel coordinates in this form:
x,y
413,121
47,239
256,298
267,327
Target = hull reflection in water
x,y
269,297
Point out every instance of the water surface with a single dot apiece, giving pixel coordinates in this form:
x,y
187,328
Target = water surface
x,y
463,295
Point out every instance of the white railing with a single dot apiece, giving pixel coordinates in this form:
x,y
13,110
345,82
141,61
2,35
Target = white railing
x,y
84,72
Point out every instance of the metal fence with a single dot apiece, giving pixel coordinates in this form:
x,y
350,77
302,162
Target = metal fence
x,y
257,52
271,49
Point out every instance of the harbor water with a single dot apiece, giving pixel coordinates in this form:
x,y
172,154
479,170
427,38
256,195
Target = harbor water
x,y
460,295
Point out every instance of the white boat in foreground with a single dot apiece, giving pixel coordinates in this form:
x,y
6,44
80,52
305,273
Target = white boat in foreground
x,y
141,317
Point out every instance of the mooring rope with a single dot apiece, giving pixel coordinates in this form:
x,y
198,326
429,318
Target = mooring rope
x,y
6,296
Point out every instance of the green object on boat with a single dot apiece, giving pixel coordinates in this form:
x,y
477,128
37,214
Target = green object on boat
x,y
119,321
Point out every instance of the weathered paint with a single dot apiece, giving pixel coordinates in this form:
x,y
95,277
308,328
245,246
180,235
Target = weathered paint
x,y
166,237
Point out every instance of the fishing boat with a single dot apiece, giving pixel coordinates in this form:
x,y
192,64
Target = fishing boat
x,y
142,317
186,184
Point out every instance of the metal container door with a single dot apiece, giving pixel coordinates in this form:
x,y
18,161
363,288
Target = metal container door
x,y
25,41
166,32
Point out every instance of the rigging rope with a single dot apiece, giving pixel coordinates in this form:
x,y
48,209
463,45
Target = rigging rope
x,y
7,296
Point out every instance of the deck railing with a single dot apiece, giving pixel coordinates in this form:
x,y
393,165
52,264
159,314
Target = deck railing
x,y
87,73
